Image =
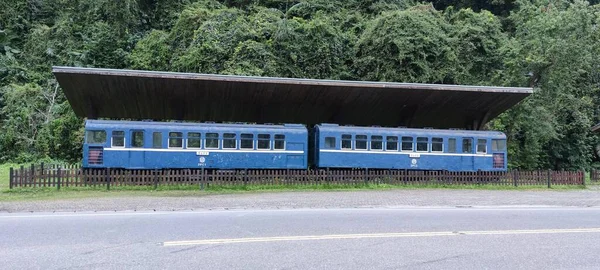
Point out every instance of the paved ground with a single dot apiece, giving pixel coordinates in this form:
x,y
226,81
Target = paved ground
x,y
378,238
342,199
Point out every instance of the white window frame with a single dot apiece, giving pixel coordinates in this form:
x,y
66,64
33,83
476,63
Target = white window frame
x,y
366,140
284,142
386,143
206,138
382,143
187,138
351,142
169,141
222,141
271,144
477,147
431,145
416,148
413,142
246,139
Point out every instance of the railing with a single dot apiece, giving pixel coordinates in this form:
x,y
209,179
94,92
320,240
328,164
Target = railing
x,y
72,176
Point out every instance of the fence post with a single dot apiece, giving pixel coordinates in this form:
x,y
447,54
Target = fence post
x,y
549,178
202,182
155,179
11,178
582,173
42,175
515,177
58,178
107,178
245,177
366,176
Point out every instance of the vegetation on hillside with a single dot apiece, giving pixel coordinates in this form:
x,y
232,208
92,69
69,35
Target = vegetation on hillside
x,y
551,45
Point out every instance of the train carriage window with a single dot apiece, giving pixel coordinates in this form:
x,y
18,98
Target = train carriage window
x,y
391,143
193,140
452,145
498,145
407,143
279,142
376,142
467,145
247,141
346,141
329,142
437,145
96,136
157,140
481,146
361,142
118,139
264,141
229,141
422,144
212,141
175,140
137,138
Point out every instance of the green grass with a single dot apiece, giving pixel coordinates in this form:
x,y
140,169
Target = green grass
x,y
26,194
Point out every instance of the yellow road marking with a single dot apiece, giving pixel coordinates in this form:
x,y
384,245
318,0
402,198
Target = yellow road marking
x,y
373,235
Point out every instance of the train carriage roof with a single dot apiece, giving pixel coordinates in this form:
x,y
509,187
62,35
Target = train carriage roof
x,y
412,131
131,94
185,126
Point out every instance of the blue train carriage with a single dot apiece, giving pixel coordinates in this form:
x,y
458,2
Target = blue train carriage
x,y
407,148
163,145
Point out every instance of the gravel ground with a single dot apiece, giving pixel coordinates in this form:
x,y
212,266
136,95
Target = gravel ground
x,y
327,199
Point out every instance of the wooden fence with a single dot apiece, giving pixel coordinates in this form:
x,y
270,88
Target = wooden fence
x,y
595,176
72,176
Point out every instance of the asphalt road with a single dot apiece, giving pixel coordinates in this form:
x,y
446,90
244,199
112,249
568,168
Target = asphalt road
x,y
401,238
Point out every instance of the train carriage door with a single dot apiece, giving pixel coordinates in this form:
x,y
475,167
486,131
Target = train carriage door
x,y
137,155
468,155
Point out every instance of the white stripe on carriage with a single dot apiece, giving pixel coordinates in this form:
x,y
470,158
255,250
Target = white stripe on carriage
x,y
206,150
403,153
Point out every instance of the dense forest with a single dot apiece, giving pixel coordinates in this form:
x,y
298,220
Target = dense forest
x,y
551,45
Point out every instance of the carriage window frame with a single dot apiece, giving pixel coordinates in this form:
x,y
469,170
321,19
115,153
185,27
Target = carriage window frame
x,y
209,140
228,139
118,134
90,136
481,143
498,147
330,143
391,140
378,140
261,139
437,141
468,144
178,137
362,139
157,144
405,142
279,142
346,139
451,145
134,134
195,137
246,138
420,142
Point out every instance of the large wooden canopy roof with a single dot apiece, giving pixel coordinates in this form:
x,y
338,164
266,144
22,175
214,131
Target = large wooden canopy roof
x,y
133,94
